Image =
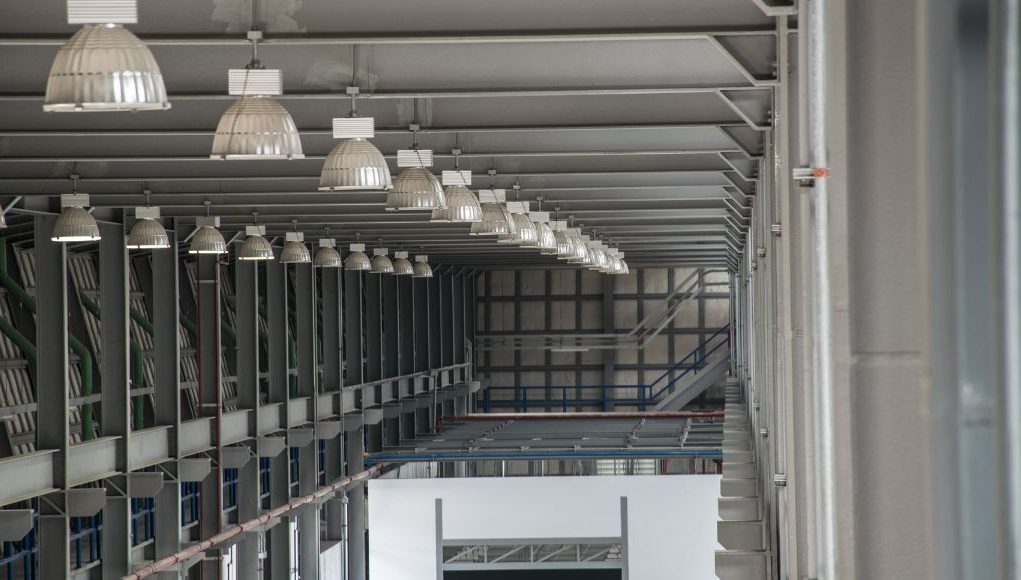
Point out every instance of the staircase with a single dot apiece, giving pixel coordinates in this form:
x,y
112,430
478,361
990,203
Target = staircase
x,y
740,530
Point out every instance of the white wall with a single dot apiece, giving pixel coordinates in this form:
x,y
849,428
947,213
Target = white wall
x,y
671,519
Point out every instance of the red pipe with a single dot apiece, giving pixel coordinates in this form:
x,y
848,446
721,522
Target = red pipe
x,y
231,532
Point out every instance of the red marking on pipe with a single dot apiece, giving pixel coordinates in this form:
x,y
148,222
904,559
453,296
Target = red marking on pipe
x,y
199,547
820,172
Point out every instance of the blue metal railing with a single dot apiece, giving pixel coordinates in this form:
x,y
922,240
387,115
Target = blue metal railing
x,y
143,520
264,482
611,395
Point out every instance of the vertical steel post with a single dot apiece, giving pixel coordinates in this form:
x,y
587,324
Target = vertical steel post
x,y
52,380
116,399
308,456
207,274
279,543
246,316
356,507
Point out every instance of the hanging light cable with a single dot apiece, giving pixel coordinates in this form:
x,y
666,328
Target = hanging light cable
x,y
75,223
147,233
207,239
355,163
256,126
104,67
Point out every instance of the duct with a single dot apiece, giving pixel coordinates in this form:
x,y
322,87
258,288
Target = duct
x,y
198,548
84,356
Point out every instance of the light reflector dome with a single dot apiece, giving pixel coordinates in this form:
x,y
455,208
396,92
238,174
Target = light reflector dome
x,y
355,164
75,224
327,255
495,220
357,261
422,268
207,240
256,127
524,234
415,189
104,67
255,247
402,266
381,264
547,241
462,206
147,234
295,251
565,244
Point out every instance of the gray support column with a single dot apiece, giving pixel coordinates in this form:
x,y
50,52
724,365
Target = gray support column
x,y
356,507
279,543
116,401
457,312
333,328
435,334
392,324
610,355
207,304
354,365
373,325
422,315
52,379
406,330
167,396
308,456
246,316
446,320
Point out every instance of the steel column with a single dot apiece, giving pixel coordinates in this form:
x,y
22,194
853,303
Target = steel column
x,y
52,380
391,319
357,569
279,544
373,327
332,328
116,400
308,456
353,322
246,316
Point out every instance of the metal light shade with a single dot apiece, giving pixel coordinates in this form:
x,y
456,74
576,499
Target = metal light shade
x,y
75,224
256,127
422,270
381,265
357,261
597,259
355,164
403,267
524,234
327,258
462,205
415,189
581,251
547,241
207,240
565,245
147,234
104,67
295,253
255,248
495,220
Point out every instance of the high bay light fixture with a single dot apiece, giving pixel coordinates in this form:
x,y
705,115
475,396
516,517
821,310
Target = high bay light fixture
x,y
207,239
104,67
147,233
295,251
75,223
415,188
381,263
496,219
402,266
422,268
357,261
327,255
462,205
256,126
355,163
255,248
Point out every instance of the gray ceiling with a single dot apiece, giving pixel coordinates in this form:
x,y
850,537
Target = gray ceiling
x,y
643,119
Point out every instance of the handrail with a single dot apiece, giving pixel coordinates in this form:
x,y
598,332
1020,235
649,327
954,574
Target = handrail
x,y
646,393
694,352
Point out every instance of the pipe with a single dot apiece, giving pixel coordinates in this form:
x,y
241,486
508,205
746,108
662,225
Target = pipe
x,y
233,531
818,160
513,455
476,38
84,356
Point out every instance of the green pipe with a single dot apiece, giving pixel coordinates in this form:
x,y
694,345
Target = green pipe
x,y
84,356
19,340
137,365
